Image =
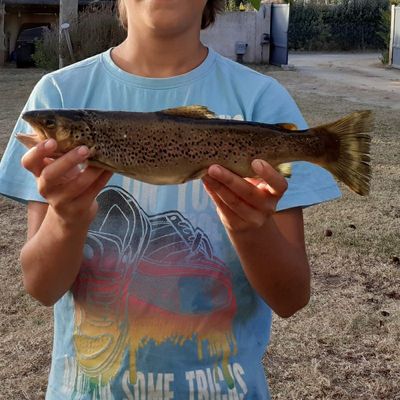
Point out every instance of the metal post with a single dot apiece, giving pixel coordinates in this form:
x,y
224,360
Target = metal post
x,y
65,32
68,12
2,34
390,59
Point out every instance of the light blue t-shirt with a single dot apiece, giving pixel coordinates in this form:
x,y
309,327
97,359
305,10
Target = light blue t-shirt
x,y
161,308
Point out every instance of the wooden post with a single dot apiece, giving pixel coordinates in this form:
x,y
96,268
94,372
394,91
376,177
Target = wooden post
x,y
68,12
2,34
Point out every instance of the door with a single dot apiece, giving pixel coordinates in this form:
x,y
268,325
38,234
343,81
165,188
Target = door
x,y
279,34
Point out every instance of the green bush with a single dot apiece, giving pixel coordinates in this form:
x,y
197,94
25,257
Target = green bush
x,y
307,29
95,30
46,50
234,5
345,25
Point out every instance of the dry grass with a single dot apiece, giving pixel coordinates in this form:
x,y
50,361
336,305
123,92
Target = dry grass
x,y
26,327
344,345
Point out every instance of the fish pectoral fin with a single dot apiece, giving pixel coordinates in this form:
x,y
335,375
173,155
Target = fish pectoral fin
x,y
198,112
287,126
196,175
285,169
29,140
99,164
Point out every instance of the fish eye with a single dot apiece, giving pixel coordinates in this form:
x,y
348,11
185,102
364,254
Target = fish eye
x,y
50,123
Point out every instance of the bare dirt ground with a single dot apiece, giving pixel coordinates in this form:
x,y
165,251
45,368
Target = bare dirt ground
x,y
345,343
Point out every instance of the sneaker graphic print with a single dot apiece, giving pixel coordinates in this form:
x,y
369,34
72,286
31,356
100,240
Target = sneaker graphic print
x,y
148,280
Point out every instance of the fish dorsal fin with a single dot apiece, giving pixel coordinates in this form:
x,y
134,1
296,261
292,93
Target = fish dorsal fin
x,y
287,126
198,112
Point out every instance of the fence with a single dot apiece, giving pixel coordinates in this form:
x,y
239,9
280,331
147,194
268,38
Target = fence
x,y
394,50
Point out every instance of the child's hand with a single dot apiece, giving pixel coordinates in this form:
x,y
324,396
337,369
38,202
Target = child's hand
x,y
245,204
70,191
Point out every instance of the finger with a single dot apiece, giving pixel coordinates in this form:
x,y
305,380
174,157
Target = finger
x,y
64,191
276,183
254,181
34,159
241,187
77,187
227,216
84,202
97,186
53,173
47,161
70,175
236,204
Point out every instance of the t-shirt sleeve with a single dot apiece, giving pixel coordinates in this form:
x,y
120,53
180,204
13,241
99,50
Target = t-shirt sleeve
x,y
15,181
309,184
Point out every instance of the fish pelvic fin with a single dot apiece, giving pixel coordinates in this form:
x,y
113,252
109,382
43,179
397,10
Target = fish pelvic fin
x,y
288,127
285,169
348,150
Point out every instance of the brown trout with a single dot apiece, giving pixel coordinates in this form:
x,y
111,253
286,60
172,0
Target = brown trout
x,y
177,145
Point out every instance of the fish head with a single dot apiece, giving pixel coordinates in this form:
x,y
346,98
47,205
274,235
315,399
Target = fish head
x,y
67,127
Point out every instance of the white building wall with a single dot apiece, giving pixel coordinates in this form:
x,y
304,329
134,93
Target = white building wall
x,y
247,27
229,28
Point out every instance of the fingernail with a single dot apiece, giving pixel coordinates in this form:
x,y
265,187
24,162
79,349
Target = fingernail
x,y
83,151
258,165
215,171
49,144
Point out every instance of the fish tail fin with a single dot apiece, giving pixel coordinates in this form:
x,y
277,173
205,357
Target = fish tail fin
x,y
348,155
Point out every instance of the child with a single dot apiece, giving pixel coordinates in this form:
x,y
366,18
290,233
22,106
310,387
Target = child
x,y
162,292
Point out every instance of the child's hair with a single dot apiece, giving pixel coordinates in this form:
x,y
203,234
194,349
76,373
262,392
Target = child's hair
x,y
210,12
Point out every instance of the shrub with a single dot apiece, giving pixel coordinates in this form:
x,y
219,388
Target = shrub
x,y
46,50
307,28
345,25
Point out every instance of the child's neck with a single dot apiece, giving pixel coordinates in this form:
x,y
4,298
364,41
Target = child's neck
x,y
160,57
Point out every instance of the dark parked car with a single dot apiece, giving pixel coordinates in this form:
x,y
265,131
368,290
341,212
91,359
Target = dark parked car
x,y
25,46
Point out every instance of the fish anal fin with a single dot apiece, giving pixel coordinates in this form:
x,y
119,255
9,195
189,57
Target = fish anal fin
x,y
287,126
28,140
198,112
285,169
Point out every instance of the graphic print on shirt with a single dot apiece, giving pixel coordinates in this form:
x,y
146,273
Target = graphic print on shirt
x,y
148,279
